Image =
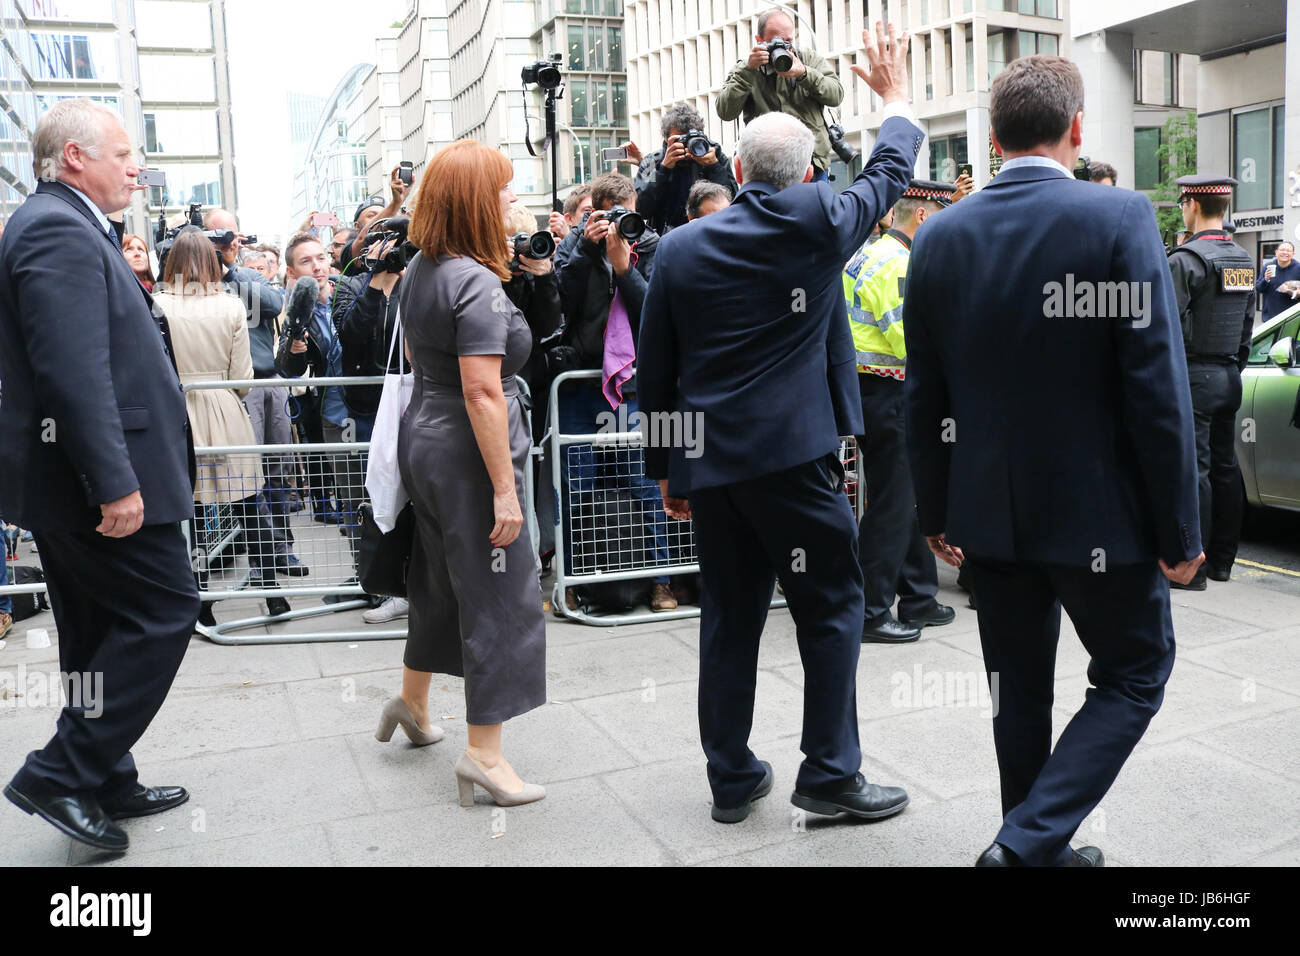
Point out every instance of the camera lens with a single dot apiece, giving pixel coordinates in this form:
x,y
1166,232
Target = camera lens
x,y
541,245
631,226
697,144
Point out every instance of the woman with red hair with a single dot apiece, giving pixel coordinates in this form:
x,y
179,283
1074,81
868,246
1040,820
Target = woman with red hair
x,y
136,254
475,603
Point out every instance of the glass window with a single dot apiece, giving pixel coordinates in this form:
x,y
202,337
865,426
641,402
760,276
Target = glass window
x,y
1146,165
67,56
1251,159
187,132
615,48
595,47
620,103
599,104
1167,78
970,64
1279,163
997,54
162,23
572,6
578,102
183,79
84,11
577,59
189,182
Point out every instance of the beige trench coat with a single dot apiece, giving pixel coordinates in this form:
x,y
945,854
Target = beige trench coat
x,y
210,340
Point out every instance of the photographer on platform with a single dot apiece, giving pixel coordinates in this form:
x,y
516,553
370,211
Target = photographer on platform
x,y
667,175
755,85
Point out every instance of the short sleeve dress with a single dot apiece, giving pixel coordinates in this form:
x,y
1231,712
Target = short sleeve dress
x,y
476,611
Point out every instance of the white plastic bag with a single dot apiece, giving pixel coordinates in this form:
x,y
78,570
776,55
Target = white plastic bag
x,y
383,476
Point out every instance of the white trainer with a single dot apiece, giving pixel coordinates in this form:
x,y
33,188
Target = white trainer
x,y
390,610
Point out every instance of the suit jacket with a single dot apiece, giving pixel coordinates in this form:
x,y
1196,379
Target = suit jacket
x,y
1040,431
744,322
93,409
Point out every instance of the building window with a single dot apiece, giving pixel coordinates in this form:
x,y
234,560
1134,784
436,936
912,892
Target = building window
x,y
997,54
970,64
1044,43
616,48
620,103
1147,168
1257,160
577,59
578,102
1169,76
946,154
596,47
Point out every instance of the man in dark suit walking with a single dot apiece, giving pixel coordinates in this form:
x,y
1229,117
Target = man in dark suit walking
x,y
100,469
743,332
1050,434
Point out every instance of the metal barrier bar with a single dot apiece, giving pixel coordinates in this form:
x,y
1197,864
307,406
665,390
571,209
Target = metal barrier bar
x,y
575,569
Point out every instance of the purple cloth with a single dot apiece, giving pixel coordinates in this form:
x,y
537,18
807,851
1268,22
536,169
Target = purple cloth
x,y
620,352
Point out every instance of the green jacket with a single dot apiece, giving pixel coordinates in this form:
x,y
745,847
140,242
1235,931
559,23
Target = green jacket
x,y
758,91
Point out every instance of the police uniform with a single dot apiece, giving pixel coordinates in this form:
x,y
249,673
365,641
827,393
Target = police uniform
x,y
896,562
1214,281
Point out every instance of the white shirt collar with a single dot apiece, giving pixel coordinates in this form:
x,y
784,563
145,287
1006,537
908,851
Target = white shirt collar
x,y
99,214
1036,161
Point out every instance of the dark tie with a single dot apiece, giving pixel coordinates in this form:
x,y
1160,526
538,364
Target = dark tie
x,y
112,234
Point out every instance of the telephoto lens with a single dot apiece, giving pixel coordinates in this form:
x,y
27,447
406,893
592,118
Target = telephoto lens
x,y
780,55
539,245
629,224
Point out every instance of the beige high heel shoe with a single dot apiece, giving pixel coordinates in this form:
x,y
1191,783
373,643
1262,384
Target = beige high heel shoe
x,y
469,772
396,712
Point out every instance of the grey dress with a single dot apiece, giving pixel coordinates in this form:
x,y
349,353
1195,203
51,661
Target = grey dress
x,y
474,613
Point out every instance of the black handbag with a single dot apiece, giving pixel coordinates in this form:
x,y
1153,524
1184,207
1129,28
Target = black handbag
x,y
383,560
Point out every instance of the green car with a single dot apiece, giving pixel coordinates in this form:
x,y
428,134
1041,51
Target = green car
x,y
1268,444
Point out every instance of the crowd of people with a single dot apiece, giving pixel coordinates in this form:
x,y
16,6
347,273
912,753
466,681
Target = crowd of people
x,y
728,287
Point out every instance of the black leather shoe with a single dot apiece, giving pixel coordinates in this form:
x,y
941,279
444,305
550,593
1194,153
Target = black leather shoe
x,y
1216,573
1197,583
339,598
206,617
855,796
79,815
889,631
1087,856
736,814
291,566
936,616
275,606
144,801
998,855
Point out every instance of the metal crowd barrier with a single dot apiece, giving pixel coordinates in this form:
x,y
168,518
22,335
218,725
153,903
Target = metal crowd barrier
x,y
594,479
323,548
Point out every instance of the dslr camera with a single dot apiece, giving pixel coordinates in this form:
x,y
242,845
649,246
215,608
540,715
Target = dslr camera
x,y
396,251
630,225
1083,169
539,245
780,54
164,238
545,73
842,149
697,143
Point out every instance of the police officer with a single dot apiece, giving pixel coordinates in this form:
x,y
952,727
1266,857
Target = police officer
x,y
895,559
1214,281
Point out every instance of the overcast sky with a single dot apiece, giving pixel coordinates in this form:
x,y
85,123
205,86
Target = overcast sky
x,y
278,48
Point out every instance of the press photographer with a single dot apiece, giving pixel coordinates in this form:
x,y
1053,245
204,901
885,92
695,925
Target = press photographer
x,y
666,176
777,77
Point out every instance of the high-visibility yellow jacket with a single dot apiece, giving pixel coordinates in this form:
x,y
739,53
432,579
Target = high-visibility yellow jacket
x,y
873,289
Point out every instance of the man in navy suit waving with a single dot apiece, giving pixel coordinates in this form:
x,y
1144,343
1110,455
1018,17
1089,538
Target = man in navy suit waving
x,y
1050,433
743,332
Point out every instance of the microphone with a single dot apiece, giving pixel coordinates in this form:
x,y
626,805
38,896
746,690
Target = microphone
x,y
301,302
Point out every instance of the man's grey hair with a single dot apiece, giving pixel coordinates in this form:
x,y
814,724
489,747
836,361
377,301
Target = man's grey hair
x,y
248,256
77,120
775,148
682,117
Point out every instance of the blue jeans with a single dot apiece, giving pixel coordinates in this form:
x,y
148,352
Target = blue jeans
x,y
582,471
6,602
